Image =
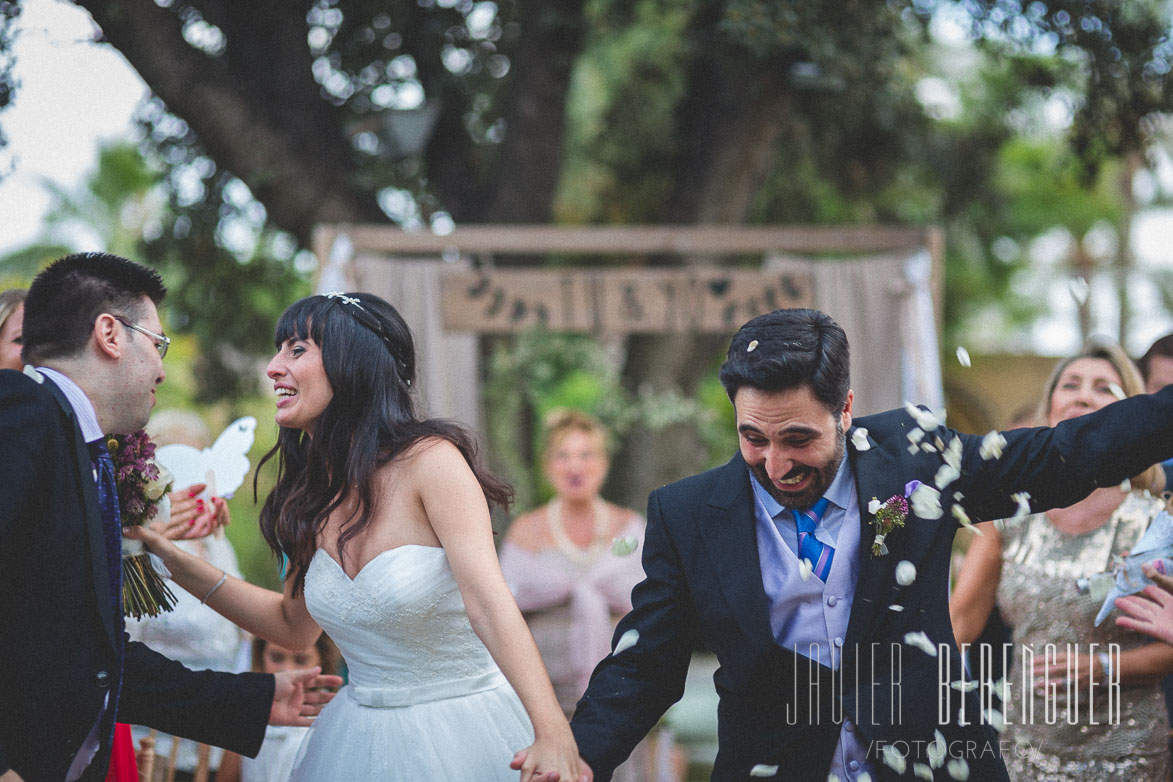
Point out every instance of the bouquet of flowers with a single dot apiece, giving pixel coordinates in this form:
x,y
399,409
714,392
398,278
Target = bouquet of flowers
x,y
142,496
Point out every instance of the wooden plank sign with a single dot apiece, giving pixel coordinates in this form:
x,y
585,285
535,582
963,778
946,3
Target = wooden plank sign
x,y
617,301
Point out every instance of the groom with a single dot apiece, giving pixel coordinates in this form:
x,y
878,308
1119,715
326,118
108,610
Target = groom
x,y
772,563
92,330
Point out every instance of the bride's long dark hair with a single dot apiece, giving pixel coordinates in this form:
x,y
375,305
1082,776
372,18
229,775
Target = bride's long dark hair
x,y
369,359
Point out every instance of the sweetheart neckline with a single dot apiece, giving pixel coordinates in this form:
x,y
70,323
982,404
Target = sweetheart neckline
x,y
372,559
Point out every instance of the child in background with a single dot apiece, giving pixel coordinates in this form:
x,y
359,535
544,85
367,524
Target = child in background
x,y
275,760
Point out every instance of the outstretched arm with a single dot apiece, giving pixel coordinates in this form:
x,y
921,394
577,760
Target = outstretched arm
x,y
280,618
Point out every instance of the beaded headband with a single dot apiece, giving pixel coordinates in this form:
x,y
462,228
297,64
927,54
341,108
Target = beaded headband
x,y
371,323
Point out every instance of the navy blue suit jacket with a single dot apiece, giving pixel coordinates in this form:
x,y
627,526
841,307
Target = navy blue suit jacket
x,y
59,650
704,587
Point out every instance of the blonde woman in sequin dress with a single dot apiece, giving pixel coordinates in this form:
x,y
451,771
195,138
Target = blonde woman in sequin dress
x,y
571,565
1030,568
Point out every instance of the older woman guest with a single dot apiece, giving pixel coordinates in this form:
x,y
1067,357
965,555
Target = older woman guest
x,y
11,318
1031,567
572,563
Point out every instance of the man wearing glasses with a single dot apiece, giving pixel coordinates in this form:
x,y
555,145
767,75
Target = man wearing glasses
x,y
95,346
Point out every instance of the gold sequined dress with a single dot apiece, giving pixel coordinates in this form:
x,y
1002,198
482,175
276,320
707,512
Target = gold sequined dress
x,y
1038,598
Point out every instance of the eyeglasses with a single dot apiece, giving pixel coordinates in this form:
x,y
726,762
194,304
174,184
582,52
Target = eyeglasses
x,y
161,342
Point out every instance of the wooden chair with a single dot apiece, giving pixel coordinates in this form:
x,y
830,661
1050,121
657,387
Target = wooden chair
x,y
150,770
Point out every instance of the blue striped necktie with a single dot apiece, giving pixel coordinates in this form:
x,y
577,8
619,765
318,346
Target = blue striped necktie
x,y
810,548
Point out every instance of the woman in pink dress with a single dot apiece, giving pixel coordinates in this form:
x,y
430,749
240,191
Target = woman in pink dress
x,y
571,565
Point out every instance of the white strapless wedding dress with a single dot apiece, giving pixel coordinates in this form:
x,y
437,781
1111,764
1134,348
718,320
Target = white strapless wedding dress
x,y
424,700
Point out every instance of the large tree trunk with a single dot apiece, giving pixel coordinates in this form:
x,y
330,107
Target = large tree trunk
x,y
729,127
255,108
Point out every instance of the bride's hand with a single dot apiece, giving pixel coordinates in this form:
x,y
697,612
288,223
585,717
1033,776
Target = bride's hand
x,y
526,762
157,542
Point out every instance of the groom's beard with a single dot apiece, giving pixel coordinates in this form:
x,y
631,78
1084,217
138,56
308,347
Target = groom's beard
x,y
823,475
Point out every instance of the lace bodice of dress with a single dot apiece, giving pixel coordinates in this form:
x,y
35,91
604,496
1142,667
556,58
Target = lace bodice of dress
x,y
401,622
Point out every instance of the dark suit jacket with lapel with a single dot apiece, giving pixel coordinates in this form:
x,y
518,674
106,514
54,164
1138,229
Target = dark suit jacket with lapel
x,y
58,651
704,587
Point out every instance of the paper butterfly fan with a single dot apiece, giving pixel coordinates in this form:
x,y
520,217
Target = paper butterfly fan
x,y
223,467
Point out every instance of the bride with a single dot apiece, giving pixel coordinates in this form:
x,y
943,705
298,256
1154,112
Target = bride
x,y
384,522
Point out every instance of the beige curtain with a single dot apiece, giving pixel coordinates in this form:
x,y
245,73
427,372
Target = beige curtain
x,y
884,304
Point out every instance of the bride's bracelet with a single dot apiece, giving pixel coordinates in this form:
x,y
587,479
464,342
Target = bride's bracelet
x,y
212,591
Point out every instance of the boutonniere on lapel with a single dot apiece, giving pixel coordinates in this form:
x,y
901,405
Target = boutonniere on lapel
x,y
889,515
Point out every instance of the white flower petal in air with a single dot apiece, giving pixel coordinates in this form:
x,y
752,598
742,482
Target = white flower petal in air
x,y
992,445
874,506
1079,288
914,449
1117,391
996,719
896,607
1023,509
964,685
761,769
946,474
921,771
952,454
626,641
915,435
963,356
937,749
926,502
859,438
921,641
804,569
958,769
1126,485
963,519
623,546
925,419
905,573
863,777
893,759
751,347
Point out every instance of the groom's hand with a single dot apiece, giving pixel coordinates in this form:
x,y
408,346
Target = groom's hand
x,y
298,696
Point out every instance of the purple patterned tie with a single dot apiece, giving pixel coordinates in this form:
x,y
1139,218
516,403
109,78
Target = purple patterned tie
x,y
111,526
810,548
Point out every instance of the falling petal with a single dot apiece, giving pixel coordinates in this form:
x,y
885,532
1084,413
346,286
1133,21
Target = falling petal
x,y
925,419
916,435
952,454
926,502
963,356
626,641
958,769
761,769
922,642
914,449
921,771
751,347
905,572
859,438
996,718
1022,498
963,519
1117,391
936,750
622,547
863,777
804,569
1079,289
874,506
964,685
896,607
1126,485
992,445
946,474
957,496
893,759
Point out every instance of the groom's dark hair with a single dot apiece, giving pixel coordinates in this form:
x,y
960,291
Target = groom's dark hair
x,y
786,349
69,294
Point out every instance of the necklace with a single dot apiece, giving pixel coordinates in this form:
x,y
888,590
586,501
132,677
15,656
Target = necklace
x,y
577,554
